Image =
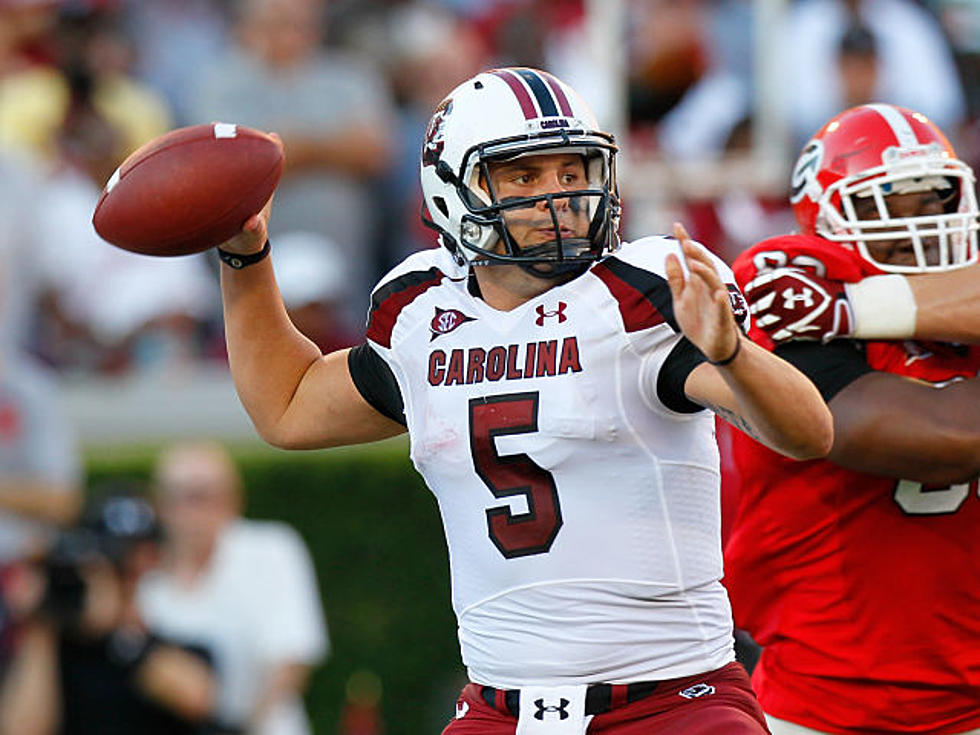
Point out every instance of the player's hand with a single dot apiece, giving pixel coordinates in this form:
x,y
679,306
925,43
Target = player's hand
x,y
702,305
792,304
255,231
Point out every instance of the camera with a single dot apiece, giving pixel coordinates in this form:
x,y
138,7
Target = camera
x,y
103,540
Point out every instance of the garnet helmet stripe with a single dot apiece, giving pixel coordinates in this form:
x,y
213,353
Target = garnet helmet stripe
x,y
527,106
546,103
896,121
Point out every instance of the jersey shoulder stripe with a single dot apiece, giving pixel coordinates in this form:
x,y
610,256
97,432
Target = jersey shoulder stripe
x,y
390,298
643,296
397,289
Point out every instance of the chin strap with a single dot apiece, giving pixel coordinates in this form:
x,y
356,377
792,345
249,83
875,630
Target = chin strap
x,y
552,271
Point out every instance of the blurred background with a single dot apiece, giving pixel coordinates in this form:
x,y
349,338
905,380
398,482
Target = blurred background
x,y
108,357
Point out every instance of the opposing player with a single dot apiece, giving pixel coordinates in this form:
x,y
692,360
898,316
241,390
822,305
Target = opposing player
x,y
553,383
858,573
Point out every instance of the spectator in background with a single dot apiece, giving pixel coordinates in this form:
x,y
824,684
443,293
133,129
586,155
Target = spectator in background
x,y
176,39
431,50
916,67
90,52
244,590
333,113
24,26
859,63
20,188
668,55
103,308
86,662
312,277
40,466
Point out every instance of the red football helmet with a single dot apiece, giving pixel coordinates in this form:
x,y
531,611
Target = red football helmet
x,y
870,152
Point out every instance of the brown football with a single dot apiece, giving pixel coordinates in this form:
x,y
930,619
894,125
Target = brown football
x,y
188,190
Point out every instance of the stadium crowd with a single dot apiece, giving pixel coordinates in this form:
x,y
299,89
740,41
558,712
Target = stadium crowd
x,y
349,85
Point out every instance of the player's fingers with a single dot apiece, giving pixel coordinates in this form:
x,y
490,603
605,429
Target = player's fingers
x,y
675,274
253,223
693,252
681,233
707,273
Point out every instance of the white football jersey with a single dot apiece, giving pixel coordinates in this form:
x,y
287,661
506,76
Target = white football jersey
x,y
582,512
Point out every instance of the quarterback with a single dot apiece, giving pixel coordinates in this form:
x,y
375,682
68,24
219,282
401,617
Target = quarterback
x,y
859,573
553,382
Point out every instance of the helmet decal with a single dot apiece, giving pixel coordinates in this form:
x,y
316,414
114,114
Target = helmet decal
x,y
804,179
435,133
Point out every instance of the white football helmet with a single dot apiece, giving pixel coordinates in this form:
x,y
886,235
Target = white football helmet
x,y
503,114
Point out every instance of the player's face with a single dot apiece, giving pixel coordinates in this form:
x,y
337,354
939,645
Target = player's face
x,y
550,173
900,250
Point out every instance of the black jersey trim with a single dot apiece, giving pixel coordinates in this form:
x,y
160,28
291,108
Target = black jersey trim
x,y
388,301
644,298
673,376
376,383
832,366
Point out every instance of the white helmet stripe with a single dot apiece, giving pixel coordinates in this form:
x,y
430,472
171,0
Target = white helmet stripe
x,y
899,125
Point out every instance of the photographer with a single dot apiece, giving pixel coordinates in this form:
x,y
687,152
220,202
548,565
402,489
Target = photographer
x,y
85,662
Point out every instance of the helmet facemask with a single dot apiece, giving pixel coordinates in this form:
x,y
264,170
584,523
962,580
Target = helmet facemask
x,y
584,221
859,210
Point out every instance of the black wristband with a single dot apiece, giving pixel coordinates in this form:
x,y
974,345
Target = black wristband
x,y
728,360
238,261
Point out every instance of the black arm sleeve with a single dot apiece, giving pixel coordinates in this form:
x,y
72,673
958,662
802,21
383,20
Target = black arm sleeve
x,y
831,367
376,383
673,375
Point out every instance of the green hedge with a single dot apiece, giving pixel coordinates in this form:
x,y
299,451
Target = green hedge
x,y
377,542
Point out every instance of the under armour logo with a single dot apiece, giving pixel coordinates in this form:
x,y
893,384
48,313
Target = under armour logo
x,y
559,312
698,690
461,709
790,297
560,709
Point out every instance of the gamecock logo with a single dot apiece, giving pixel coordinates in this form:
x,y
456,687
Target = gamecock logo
x,y
446,320
435,134
740,309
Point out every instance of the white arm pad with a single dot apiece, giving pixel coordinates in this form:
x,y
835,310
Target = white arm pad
x,y
883,307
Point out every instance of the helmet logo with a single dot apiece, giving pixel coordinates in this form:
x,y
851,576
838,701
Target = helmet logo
x,y
435,133
446,320
804,180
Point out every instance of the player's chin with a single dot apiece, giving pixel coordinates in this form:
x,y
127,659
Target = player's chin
x,y
903,254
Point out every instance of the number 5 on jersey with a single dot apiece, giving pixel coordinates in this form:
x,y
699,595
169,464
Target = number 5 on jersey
x,y
514,534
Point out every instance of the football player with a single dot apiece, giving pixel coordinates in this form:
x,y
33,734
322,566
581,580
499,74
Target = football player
x,y
553,382
858,573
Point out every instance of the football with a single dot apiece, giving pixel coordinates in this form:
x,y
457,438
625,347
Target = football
x,y
188,190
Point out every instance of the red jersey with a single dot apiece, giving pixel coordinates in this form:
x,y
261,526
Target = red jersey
x,y
864,590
